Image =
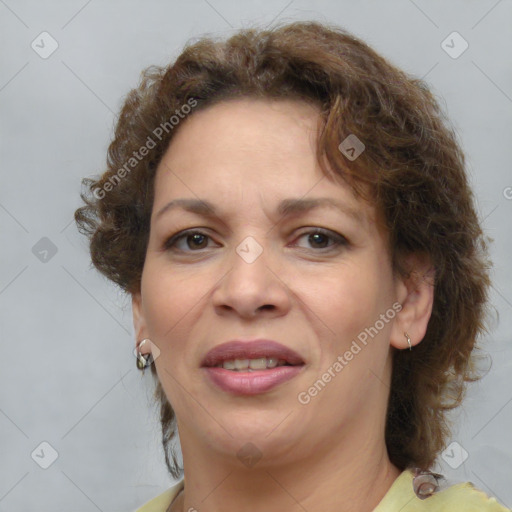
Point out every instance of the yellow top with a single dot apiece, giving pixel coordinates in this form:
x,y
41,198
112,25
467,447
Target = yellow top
x,y
461,497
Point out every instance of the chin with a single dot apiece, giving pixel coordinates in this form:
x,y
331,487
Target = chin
x,y
267,432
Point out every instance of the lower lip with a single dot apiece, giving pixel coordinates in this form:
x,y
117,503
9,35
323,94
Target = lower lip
x,y
251,383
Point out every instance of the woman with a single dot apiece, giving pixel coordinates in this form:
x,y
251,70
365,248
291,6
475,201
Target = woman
x,y
291,217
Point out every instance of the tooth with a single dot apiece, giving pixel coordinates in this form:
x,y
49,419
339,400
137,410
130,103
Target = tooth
x,y
241,364
261,363
258,364
272,362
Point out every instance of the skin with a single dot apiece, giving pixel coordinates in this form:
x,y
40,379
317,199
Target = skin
x,y
245,156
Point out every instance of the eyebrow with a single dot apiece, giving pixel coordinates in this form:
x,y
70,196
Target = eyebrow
x,y
286,207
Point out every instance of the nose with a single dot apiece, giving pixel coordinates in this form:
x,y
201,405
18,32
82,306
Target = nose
x,y
252,288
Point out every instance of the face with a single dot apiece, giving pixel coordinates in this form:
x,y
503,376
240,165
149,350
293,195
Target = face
x,y
266,247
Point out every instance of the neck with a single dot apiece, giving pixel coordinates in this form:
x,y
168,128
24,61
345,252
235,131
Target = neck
x,y
352,479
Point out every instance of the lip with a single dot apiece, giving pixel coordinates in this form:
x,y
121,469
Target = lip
x,y
251,383
254,349
256,381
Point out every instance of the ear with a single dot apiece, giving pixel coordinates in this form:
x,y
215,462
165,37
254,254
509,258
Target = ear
x,y
415,293
139,322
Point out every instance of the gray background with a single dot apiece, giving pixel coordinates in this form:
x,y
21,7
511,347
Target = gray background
x,y
68,374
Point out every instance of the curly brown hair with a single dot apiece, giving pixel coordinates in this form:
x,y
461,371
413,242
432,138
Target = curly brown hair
x,y
412,165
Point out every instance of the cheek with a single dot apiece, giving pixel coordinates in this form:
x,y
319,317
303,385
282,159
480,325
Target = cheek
x,y
170,301
171,306
343,298
349,301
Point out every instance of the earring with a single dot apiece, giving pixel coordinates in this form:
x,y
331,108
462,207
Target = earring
x,y
408,340
426,483
142,361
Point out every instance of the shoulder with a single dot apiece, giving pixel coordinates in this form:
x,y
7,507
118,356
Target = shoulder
x,y
161,502
466,497
459,497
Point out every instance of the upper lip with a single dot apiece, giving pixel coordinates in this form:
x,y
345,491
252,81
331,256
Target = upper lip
x,y
254,349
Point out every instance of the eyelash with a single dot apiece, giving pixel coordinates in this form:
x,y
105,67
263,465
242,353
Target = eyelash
x,y
339,240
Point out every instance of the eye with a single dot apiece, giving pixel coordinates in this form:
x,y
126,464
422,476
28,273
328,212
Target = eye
x,y
187,240
319,239
194,240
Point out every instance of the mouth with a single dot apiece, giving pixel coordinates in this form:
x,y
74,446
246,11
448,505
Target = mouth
x,y
251,367
251,355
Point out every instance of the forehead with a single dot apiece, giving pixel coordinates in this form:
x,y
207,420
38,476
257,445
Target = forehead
x,y
279,130
245,148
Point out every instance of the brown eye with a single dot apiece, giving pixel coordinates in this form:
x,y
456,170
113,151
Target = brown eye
x,y
320,240
323,239
193,240
196,240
